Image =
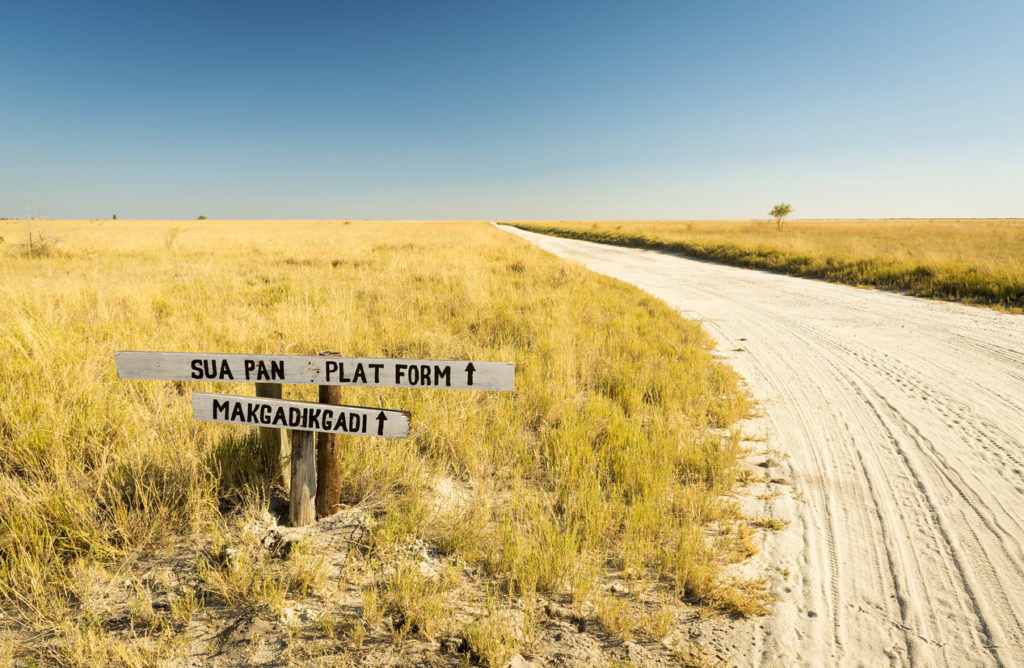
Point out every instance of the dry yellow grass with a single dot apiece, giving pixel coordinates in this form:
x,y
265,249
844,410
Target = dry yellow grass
x,y
976,261
614,451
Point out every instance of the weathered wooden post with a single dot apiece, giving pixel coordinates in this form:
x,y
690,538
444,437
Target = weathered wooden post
x,y
328,456
328,460
273,441
301,509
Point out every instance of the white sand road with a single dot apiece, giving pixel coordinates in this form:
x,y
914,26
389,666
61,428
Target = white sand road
x,y
903,422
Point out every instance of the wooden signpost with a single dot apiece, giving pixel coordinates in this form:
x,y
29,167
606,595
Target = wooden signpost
x,y
313,475
300,415
327,369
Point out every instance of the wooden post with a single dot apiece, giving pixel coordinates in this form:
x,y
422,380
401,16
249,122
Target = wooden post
x,y
273,440
301,510
328,461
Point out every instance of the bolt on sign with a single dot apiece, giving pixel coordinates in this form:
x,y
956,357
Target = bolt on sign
x,y
312,475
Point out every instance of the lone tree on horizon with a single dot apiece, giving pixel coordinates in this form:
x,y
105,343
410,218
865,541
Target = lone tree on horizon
x,y
778,212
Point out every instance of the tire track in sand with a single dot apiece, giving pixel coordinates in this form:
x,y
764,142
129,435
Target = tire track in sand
x,y
902,419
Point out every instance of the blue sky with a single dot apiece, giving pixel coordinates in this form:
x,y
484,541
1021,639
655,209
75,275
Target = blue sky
x,y
505,110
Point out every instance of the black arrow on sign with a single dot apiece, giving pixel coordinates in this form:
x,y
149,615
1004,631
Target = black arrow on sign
x,y
381,419
469,372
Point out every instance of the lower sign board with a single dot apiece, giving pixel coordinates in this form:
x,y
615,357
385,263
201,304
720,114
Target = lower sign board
x,y
300,415
316,370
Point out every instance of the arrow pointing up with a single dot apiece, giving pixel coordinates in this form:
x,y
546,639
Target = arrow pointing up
x,y
469,373
381,419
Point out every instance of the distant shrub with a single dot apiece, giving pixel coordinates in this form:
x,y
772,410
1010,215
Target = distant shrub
x,y
37,245
778,212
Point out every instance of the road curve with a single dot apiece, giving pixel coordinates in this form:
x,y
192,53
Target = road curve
x,y
903,419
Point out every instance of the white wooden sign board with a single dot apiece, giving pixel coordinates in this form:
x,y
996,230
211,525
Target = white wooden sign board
x,y
316,370
300,415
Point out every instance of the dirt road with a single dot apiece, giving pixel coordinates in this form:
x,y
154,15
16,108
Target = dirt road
x,y
903,422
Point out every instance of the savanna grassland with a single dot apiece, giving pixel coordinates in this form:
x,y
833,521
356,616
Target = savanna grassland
x,y
133,535
971,261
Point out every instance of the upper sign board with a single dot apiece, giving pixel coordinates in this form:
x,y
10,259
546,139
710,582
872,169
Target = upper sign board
x,y
316,370
300,415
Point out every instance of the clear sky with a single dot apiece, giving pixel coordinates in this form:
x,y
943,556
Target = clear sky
x,y
511,109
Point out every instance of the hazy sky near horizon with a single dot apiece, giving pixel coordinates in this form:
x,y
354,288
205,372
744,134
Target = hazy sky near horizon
x,y
511,110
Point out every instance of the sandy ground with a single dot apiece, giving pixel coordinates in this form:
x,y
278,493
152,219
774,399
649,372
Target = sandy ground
x,y
901,422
